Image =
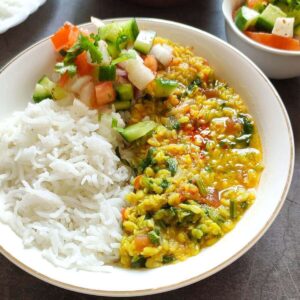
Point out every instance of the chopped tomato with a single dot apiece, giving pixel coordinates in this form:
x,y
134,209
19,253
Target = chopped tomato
x,y
211,93
151,62
105,93
274,41
137,182
232,126
212,198
65,37
63,79
83,67
141,241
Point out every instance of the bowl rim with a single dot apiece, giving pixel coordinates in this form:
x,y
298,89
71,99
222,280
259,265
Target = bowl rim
x,y
221,266
229,19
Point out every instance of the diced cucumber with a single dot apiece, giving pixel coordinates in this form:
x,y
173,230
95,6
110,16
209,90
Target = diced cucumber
x,y
40,93
164,87
58,93
45,88
144,41
125,91
130,29
245,18
136,131
297,31
47,83
267,18
112,50
107,73
122,105
120,33
110,32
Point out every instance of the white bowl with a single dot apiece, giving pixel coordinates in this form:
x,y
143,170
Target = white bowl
x,y
277,64
17,80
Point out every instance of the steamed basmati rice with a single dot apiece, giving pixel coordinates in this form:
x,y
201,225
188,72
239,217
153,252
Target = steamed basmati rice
x,y
62,184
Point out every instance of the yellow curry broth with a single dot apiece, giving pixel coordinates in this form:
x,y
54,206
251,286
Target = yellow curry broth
x,y
196,171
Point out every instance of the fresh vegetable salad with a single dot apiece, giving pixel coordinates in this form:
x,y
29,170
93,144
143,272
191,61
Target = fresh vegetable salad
x,y
273,23
189,139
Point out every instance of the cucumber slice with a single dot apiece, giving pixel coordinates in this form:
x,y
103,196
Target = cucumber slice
x,y
43,89
112,50
268,17
107,73
110,32
58,93
122,105
130,29
40,93
47,89
144,41
136,131
164,87
245,18
120,33
125,91
47,83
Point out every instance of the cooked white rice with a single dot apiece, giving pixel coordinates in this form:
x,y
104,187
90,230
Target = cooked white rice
x,y
62,184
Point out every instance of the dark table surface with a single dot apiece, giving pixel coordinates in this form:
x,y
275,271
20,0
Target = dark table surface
x,y
271,269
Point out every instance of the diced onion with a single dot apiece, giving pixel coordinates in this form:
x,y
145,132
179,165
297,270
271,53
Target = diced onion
x,y
86,93
97,22
78,83
163,53
139,75
106,58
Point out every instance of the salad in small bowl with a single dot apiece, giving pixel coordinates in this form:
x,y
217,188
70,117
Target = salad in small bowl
x,y
274,23
267,31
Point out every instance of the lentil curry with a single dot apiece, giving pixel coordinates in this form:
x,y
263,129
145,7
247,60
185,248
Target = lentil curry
x,y
195,172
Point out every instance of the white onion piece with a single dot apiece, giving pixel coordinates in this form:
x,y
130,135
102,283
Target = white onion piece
x,y
97,22
78,83
127,62
106,58
86,93
163,53
139,75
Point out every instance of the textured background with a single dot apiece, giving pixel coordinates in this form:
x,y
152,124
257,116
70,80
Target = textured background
x,y
271,269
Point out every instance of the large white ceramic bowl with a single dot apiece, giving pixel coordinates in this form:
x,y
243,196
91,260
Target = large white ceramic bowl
x,y
17,80
277,64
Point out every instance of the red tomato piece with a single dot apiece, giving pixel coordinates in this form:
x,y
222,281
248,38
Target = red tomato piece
x,y
83,67
274,41
105,93
65,37
141,241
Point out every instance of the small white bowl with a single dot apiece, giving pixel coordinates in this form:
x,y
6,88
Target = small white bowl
x,y
17,81
277,64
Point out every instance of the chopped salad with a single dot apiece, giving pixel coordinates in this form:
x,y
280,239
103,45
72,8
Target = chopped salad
x,y
273,23
108,67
